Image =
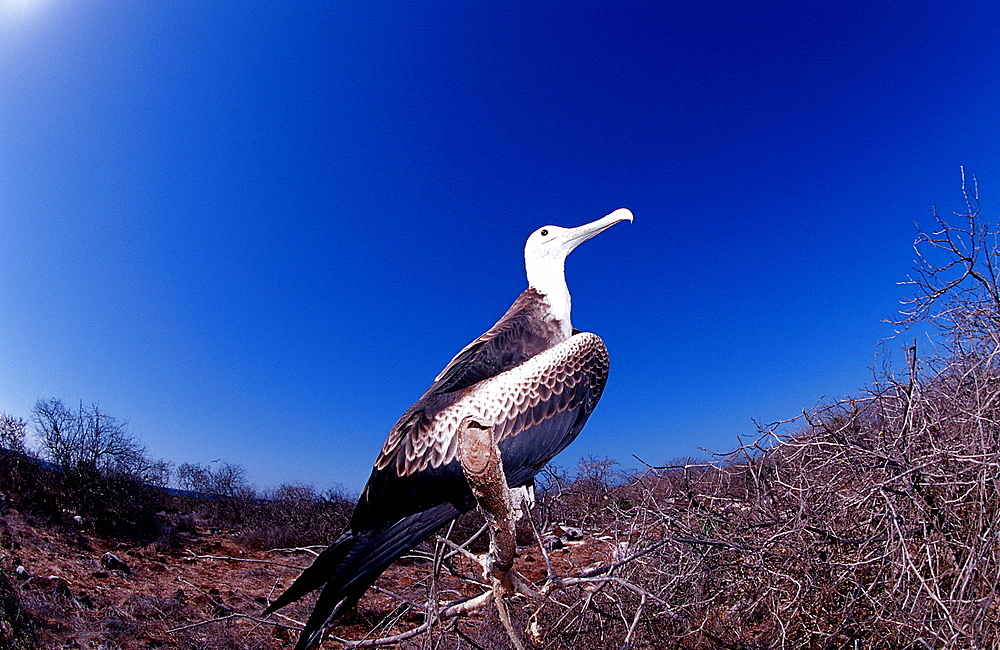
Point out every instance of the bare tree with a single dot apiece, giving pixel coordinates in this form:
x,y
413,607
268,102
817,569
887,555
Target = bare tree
x,y
194,477
12,433
227,481
956,280
87,439
101,470
157,472
57,427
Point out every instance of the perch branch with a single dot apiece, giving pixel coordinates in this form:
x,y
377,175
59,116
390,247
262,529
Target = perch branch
x,y
482,465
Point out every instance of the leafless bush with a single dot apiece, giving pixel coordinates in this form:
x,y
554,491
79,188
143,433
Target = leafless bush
x,y
16,631
226,481
955,282
229,501
296,515
15,460
12,430
581,498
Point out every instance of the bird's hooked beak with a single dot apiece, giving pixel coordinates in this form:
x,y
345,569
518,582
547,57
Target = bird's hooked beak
x,y
580,234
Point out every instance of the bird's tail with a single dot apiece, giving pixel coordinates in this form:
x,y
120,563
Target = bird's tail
x,y
353,563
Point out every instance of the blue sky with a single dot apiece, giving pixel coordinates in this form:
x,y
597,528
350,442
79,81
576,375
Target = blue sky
x,y
258,230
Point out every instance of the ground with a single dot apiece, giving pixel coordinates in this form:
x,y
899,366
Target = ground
x,y
205,590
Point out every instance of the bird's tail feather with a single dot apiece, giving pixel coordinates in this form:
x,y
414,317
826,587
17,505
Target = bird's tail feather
x,y
318,573
353,563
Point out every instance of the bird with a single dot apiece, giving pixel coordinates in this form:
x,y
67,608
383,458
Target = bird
x,y
532,377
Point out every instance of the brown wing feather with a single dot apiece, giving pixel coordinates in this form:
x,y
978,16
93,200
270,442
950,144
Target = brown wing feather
x,y
522,332
567,377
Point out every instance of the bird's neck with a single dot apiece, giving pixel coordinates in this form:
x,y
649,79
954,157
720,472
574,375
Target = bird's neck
x,y
548,278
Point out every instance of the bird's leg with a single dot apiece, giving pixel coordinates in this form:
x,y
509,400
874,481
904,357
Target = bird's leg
x,y
483,468
522,500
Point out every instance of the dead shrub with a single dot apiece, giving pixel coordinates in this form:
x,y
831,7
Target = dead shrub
x,y
16,626
295,515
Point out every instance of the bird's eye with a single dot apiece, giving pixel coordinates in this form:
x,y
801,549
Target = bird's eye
x,y
544,232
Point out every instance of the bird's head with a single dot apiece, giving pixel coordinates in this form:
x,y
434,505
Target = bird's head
x,y
546,249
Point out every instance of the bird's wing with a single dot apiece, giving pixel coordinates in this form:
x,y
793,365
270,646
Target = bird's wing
x,y
535,408
542,405
520,334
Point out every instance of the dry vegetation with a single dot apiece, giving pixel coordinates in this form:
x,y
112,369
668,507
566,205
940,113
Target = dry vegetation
x,y
865,523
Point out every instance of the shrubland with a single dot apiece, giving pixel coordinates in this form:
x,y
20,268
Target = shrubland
x,y
864,522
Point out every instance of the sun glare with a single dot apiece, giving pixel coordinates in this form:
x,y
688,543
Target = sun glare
x,y
16,11
19,21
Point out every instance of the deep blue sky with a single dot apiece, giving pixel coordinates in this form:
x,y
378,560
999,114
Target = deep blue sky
x,y
258,230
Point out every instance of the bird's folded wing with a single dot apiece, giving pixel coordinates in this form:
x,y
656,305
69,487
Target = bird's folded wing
x,y
520,334
542,399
